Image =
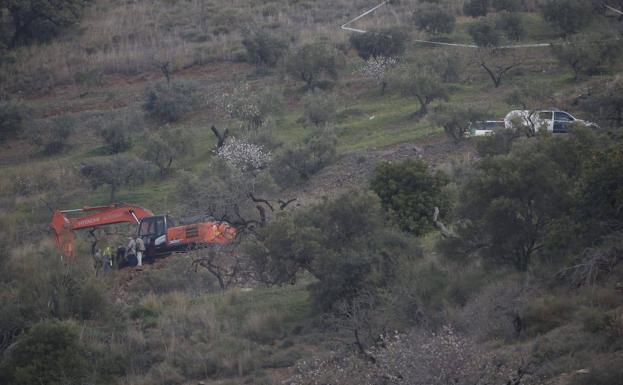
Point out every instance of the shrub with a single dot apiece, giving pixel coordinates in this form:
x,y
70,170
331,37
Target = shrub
x,y
476,8
52,136
434,18
311,61
494,312
498,144
506,5
166,146
13,118
345,244
570,16
420,82
39,21
319,107
586,55
263,48
410,193
388,42
299,162
455,120
169,103
512,25
117,133
51,352
115,171
484,34
543,314
497,216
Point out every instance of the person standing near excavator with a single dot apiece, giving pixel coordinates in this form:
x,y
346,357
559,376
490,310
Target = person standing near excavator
x,y
140,250
131,251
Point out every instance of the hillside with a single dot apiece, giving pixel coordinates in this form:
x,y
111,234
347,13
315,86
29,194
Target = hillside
x,y
377,242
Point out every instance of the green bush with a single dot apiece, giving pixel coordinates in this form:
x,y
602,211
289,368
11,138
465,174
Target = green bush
x,y
52,137
498,144
506,5
387,42
300,162
117,133
319,107
169,103
49,353
496,215
311,61
484,34
264,48
38,21
512,26
476,8
455,120
543,314
345,244
587,54
13,119
570,16
410,193
434,18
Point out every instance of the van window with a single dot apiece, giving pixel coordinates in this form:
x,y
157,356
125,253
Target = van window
x,y
545,115
562,117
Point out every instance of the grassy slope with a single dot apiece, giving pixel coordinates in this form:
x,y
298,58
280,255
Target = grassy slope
x,y
356,132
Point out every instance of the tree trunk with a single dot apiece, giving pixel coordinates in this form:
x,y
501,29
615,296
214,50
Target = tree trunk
x,y
423,109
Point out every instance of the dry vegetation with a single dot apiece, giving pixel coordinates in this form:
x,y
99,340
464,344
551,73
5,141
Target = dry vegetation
x,y
336,279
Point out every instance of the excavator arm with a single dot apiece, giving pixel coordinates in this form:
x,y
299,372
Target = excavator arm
x,y
64,223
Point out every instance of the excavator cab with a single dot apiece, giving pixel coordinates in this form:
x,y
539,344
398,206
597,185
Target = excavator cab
x,y
153,231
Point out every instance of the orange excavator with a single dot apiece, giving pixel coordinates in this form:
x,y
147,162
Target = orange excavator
x,y
159,232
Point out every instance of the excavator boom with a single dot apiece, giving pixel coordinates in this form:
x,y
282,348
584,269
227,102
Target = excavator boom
x,y
159,232
64,225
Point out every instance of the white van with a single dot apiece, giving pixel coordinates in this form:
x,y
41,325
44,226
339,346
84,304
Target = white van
x,y
552,120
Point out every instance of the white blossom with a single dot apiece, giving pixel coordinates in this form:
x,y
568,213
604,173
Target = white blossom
x,y
244,155
377,68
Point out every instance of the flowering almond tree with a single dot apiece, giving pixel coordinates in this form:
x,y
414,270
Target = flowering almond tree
x,y
244,155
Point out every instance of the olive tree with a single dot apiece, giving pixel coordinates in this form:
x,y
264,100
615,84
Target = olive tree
x,y
509,206
475,8
375,43
52,136
264,48
455,120
410,192
345,243
419,82
115,172
168,103
434,18
570,16
309,62
13,119
588,54
39,20
165,146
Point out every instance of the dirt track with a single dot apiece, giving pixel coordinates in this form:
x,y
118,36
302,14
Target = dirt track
x,y
354,170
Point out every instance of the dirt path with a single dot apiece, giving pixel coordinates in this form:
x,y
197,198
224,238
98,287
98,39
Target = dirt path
x,y
354,170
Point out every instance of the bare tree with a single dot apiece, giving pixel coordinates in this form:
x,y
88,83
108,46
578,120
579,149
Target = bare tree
x,y
497,63
224,262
